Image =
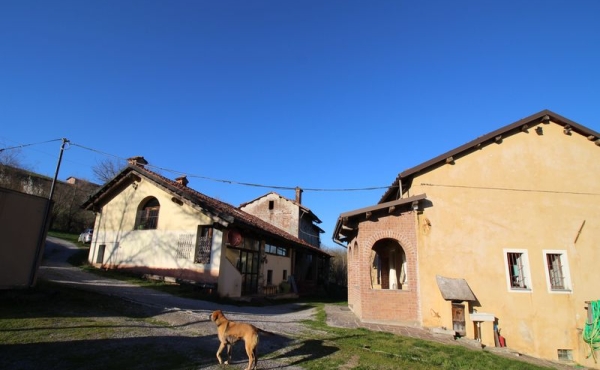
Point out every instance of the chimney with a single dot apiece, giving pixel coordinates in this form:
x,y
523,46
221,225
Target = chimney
x,y
137,161
182,180
299,195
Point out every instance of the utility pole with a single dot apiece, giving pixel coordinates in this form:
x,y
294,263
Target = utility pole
x,y
44,230
62,149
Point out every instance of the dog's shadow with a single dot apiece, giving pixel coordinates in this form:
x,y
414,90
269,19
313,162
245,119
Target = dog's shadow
x,y
305,350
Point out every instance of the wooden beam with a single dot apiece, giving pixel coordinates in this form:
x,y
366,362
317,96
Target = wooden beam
x,y
368,214
524,128
498,139
450,160
391,209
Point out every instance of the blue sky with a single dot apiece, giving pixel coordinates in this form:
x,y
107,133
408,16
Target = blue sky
x,y
324,95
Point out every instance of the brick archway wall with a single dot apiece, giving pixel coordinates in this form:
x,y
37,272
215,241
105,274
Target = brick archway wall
x,y
385,305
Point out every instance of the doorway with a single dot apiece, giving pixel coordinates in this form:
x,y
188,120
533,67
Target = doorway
x,y
248,266
458,319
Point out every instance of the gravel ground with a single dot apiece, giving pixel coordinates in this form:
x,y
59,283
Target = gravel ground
x,y
188,319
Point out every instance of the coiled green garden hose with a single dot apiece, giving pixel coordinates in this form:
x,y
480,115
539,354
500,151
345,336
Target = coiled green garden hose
x,y
591,333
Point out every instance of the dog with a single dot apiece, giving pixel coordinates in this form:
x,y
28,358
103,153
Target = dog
x,y
229,332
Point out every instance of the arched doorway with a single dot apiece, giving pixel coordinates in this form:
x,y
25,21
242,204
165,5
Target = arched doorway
x,y
388,265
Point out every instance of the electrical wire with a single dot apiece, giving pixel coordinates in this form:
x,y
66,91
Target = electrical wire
x,y
26,145
507,189
232,182
279,187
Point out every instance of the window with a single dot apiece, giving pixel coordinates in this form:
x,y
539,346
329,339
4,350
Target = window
x,y
280,251
147,215
269,277
203,244
565,354
518,274
185,246
388,265
271,205
557,271
285,275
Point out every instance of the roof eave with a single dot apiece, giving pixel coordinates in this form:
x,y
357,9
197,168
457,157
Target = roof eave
x,y
537,118
339,238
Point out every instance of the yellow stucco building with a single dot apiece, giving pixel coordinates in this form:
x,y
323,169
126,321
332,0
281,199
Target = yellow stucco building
x,y
149,224
496,240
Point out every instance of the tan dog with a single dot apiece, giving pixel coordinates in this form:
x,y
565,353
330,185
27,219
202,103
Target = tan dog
x,y
230,332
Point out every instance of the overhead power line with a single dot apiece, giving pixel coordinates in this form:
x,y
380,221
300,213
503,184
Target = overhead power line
x,y
508,189
233,182
26,145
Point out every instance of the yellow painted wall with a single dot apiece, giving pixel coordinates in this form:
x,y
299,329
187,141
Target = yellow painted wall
x,y
126,247
277,264
531,192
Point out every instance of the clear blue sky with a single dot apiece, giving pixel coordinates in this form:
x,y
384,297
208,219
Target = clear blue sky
x,y
318,94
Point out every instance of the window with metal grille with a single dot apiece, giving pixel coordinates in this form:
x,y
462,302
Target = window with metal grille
x,y
185,246
147,215
203,244
557,271
517,270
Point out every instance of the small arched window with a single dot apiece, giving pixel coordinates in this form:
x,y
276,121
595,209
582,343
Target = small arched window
x,y
147,215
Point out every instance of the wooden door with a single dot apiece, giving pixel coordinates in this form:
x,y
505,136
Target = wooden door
x,y
458,318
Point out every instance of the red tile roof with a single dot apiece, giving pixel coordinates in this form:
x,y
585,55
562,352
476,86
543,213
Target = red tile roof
x,y
221,209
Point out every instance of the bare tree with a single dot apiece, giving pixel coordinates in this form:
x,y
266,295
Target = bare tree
x,y
338,267
106,169
11,157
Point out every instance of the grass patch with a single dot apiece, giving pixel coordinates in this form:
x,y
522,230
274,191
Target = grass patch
x,y
66,236
338,348
53,326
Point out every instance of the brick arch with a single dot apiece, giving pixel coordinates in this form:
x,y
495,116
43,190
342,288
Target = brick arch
x,y
404,242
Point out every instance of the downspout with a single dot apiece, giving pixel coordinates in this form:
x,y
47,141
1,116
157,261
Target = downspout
x,y
400,188
334,237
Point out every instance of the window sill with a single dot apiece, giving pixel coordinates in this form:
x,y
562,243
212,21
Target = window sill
x,y
520,290
560,291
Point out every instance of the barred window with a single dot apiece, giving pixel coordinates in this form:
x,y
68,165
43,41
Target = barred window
x,y
147,215
185,246
518,274
203,244
557,271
